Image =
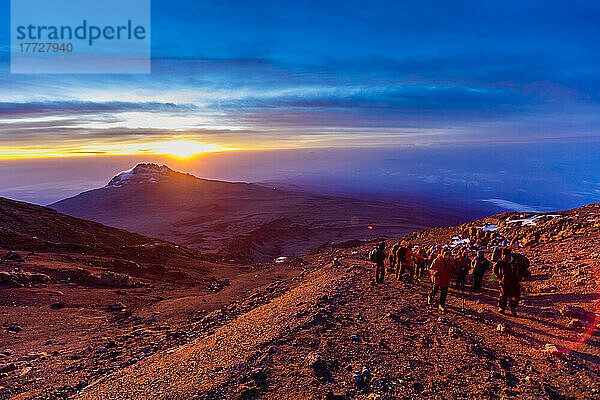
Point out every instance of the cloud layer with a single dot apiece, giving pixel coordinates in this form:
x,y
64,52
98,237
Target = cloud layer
x,y
327,74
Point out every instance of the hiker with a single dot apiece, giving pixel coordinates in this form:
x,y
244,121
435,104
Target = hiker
x,y
405,261
377,256
399,258
496,254
434,251
479,266
421,262
510,269
462,264
440,271
393,251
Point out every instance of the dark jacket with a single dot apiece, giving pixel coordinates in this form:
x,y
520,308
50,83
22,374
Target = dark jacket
x,y
380,256
479,265
512,271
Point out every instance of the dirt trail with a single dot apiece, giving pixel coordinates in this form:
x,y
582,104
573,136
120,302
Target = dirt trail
x,y
208,363
309,342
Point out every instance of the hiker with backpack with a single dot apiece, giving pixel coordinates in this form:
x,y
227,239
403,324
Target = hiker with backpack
x,y
511,268
421,262
440,271
405,261
377,256
479,266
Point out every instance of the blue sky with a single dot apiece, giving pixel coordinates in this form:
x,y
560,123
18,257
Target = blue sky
x,y
339,73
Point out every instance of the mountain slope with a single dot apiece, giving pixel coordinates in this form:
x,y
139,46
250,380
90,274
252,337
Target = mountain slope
x,y
245,221
309,340
29,227
68,284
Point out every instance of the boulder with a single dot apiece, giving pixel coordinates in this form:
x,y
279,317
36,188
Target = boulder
x,y
14,257
110,279
19,278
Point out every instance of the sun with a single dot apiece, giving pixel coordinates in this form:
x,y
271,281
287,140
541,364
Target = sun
x,y
183,148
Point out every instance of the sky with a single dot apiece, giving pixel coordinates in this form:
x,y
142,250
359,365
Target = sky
x,y
324,74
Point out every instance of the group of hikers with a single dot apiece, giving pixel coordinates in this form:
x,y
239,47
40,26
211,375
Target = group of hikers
x,y
441,263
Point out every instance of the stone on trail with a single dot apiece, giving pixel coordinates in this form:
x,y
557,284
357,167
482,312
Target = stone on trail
x,y
116,307
575,312
551,349
57,305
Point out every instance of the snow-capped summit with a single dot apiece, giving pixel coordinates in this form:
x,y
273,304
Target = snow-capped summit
x,y
141,173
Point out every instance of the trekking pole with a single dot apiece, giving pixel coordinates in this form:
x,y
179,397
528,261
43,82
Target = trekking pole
x,y
462,295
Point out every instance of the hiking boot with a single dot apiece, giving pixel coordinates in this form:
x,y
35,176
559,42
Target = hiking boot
x,y
441,308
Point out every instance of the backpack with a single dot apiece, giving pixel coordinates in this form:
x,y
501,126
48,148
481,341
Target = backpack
x,y
401,253
374,254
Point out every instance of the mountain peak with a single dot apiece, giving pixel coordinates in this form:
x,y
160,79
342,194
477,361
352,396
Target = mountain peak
x,y
142,173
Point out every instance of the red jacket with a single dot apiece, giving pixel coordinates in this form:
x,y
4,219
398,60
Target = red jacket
x,y
442,269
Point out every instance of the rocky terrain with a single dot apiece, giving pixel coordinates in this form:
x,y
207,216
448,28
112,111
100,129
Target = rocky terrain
x,y
241,221
68,285
316,327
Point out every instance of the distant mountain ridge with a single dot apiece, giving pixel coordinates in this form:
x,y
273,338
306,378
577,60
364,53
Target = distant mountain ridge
x,y
232,218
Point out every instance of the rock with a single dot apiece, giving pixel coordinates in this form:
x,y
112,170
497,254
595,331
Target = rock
x,y
418,387
81,385
6,368
110,279
482,351
548,289
549,313
551,349
335,396
366,374
116,307
113,279
576,313
34,355
19,278
12,327
216,285
318,365
577,324
13,256
246,391
57,305
357,379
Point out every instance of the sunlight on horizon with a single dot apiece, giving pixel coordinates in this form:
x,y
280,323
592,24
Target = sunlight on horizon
x,y
178,148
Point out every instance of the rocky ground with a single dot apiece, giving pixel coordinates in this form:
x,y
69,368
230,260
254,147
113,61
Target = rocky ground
x,y
319,328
